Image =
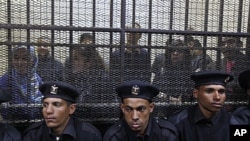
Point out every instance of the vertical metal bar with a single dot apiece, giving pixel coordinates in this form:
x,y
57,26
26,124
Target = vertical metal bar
x,y
9,45
71,21
150,23
171,13
186,15
239,18
205,37
122,40
248,38
186,19
111,13
28,20
133,12
171,18
218,57
94,18
52,31
111,25
28,46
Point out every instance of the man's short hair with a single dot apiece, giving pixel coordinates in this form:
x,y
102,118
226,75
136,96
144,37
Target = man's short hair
x,y
85,36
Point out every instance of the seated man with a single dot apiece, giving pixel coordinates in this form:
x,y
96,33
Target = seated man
x,y
48,67
136,61
138,123
206,120
59,103
7,132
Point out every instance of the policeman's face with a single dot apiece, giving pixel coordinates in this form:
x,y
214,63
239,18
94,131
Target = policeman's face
x,y
56,112
210,98
21,62
136,113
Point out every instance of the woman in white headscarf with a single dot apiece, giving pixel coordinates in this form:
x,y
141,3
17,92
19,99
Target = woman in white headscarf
x,y
22,82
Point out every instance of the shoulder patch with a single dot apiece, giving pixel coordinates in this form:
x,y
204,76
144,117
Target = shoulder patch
x,y
112,130
165,124
178,116
33,126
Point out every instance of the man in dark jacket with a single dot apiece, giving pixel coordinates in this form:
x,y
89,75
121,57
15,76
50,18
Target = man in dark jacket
x,y
205,121
241,116
7,132
58,125
137,123
48,67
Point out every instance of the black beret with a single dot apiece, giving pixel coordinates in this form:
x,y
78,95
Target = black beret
x,y
244,79
137,89
4,95
58,89
211,78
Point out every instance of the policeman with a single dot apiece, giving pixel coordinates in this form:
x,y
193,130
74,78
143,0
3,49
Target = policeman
x,y
7,132
205,121
241,116
59,103
137,123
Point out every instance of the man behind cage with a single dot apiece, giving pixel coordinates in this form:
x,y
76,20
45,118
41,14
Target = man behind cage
x,y
7,132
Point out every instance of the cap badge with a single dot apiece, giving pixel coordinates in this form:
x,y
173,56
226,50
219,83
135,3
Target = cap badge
x,y
53,89
135,90
227,79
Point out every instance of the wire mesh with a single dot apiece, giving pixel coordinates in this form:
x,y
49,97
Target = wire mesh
x,y
129,39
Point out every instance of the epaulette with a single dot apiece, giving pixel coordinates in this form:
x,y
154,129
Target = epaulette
x,y
112,130
179,116
165,124
33,126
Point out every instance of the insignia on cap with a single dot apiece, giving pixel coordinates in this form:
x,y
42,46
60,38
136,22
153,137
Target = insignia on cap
x,y
227,79
53,89
135,90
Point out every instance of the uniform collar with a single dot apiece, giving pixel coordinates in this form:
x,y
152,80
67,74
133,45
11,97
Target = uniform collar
x,y
69,129
199,117
147,131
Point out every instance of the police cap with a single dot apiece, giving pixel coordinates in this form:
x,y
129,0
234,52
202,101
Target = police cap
x,y
137,89
4,95
58,89
244,79
211,78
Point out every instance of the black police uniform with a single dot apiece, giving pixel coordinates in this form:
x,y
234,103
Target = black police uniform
x,y
157,130
7,132
192,125
241,116
74,131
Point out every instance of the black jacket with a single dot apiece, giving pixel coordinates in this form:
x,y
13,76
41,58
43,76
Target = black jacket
x,y
9,133
157,130
193,126
74,131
